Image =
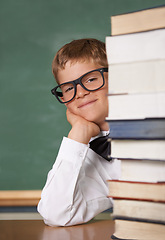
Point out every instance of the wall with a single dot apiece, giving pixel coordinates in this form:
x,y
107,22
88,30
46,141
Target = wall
x,y
32,122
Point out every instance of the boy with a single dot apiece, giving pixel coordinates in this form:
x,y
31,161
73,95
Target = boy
x,y
76,189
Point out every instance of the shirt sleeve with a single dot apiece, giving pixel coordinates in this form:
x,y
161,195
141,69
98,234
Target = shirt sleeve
x,y
75,190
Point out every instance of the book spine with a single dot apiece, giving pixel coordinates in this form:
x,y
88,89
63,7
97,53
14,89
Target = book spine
x,y
137,129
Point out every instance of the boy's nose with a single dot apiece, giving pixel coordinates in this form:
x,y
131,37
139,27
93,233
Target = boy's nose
x,y
81,92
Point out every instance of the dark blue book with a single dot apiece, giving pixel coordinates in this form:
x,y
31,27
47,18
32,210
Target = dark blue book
x,y
151,128
115,238
134,219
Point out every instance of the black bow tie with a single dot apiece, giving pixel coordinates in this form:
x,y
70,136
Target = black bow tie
x,y
102,146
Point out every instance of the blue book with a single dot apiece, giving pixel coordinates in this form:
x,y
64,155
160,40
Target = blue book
x,y
151,128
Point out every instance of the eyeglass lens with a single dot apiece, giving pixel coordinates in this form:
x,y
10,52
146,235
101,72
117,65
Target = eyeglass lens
x,y
91,81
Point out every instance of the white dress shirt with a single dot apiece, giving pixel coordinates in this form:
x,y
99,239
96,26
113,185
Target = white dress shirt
x,y
76,189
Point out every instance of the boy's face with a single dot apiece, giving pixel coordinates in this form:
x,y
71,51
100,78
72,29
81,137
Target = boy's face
x,y
93,106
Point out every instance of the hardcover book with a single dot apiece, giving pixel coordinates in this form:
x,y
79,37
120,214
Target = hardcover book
x,y
153,211
136,47
143,170
136,106
138,21
137,77
144,191
133,230
149,128
138,149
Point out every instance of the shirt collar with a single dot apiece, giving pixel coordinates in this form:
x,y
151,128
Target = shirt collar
x,y
101,134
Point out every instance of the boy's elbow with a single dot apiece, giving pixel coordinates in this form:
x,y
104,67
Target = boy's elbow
x,y
57,222
58,216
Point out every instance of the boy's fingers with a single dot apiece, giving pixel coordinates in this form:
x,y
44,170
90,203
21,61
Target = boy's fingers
x,y
71,117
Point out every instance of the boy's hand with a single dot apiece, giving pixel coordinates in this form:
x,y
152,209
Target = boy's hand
x,y
82,130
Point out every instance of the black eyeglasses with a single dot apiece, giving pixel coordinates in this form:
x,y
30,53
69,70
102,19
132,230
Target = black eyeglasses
x,y
90,81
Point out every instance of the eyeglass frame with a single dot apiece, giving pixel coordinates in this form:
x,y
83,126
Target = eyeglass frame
x,y
78,81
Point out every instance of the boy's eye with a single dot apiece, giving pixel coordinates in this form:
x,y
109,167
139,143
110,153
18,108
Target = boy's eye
x,y
68,89
91,80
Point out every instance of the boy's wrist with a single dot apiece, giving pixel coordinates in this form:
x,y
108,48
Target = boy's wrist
x,y
83,132
79,135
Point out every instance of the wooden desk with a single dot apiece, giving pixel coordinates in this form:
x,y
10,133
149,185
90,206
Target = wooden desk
x,y
37,230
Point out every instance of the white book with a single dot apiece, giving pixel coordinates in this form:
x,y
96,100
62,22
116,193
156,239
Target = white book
x,y
138,149
135,47
136,106
139,209
137,77
136,169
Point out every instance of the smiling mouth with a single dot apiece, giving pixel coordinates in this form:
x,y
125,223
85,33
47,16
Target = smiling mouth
x,y
87,104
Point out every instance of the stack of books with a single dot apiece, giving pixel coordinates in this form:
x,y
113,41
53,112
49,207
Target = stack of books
x,y
136,58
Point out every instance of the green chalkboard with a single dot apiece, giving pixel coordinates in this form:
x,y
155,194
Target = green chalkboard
x,y
32,122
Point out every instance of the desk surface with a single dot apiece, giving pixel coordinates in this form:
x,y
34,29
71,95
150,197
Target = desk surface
x,y
37,230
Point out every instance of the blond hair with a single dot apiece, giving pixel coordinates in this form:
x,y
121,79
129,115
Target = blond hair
x,y
80,50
